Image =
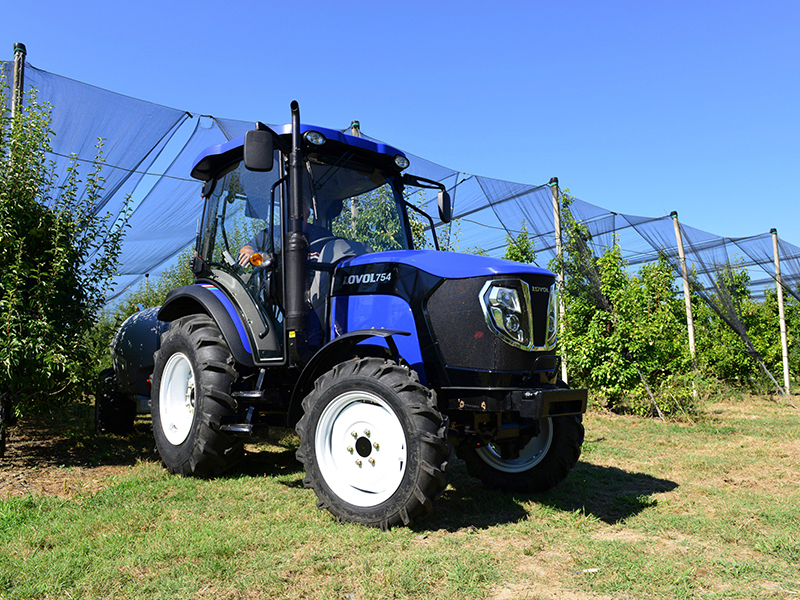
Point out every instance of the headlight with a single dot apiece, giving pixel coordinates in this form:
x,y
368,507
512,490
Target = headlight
x,y
552,319
401,161
506,306
315,137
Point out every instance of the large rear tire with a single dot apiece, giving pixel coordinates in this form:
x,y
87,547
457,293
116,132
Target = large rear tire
x,y
373,443
191,384
544,461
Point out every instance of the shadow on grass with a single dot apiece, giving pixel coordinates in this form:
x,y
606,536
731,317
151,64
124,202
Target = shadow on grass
x,y
606,493
270,463
75,444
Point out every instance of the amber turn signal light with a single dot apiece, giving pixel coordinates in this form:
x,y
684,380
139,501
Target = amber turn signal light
x,y
256,259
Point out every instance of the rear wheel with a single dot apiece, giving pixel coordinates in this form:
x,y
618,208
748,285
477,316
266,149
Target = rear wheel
x,y
543,462
192,379
373,443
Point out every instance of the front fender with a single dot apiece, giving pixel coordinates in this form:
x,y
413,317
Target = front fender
x,y
209,299
328,356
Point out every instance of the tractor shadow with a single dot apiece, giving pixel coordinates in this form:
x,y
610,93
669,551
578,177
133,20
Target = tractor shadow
x,y
270,462
609,494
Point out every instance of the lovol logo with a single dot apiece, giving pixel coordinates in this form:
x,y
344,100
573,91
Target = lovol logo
x,y
541,290
369,278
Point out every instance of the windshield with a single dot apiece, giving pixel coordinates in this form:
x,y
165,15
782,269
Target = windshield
x,y
356,204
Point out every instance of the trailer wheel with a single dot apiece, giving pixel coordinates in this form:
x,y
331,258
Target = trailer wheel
x,y
191,384
543,462
113,411
373,443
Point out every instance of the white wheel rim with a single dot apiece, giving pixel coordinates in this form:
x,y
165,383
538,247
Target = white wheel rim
x,y
176,396
529,456
361,448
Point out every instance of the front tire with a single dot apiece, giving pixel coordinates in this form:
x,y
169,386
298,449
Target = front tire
x,y
191,384
373,443
543,462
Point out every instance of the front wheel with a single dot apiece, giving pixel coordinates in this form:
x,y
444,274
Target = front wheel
x,y
543,462
373,443
192,380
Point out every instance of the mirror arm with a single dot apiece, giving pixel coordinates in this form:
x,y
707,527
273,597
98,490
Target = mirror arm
x,y
276,139
427,216
422,182
445,208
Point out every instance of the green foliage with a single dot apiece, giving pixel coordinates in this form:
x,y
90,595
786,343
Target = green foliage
x,y
627,337
519,248
624,334
724,354
58,257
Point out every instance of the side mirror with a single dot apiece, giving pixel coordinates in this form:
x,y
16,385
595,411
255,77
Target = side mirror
x,y
258,150
445,208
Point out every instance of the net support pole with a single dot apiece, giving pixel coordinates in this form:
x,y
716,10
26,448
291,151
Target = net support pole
x,y
687,295
781,314
19,78
557,226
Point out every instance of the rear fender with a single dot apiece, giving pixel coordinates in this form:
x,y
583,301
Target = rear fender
x,y
209,299
330,355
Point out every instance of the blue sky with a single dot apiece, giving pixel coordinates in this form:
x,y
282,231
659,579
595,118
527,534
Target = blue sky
x,y
639,107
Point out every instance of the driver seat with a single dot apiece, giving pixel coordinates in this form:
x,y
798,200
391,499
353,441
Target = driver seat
x,y
332,252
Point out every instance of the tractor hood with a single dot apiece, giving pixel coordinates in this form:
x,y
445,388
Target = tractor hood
x,y
448,265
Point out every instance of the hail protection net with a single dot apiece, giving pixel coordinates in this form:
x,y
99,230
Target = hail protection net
x,y
148,151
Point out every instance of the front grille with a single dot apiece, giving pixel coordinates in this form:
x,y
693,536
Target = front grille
x,y
465,340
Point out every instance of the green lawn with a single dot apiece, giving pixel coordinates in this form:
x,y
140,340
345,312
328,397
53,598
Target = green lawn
x,y
653,510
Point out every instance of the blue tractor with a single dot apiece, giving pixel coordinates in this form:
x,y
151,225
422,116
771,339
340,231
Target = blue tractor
x,y
312,309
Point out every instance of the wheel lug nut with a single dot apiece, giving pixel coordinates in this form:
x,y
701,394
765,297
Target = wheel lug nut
x,y
376,445
372,461
358,462
350,449
366,432
354,434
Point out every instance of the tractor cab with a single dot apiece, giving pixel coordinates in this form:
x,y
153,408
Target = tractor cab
x,y
351,203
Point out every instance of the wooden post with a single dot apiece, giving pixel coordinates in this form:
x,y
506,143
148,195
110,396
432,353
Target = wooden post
x,y
687,296
560,287
19,78
781,315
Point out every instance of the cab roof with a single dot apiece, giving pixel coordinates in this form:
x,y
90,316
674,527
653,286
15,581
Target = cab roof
x,y
220,158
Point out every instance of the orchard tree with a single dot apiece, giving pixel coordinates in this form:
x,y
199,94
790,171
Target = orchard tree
x,y
58,257
520,247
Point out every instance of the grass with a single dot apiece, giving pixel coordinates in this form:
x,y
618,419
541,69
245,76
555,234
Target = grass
x,y
653,510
